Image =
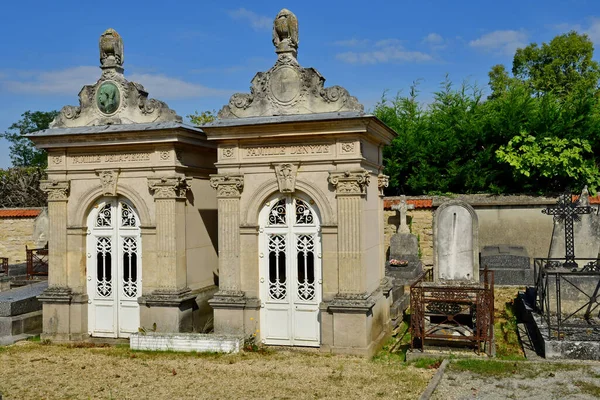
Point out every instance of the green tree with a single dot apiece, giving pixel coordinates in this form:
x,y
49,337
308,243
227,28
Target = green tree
x,y
22,151
560,66
203,117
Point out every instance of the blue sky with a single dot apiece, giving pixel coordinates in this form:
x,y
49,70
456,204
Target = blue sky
x,y
195,54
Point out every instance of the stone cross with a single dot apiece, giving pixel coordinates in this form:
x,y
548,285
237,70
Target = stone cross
x,y
401,209
569,212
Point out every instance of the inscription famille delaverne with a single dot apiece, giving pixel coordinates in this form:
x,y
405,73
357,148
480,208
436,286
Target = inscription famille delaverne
x,y
264,151
110,158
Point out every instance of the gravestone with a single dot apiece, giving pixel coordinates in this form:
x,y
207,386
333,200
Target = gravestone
x,y
511,264
575,233
455,242
404,264
40,230
21,312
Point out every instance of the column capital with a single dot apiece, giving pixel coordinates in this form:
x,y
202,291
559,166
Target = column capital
x,y
350,182
56,190
227,185
169,187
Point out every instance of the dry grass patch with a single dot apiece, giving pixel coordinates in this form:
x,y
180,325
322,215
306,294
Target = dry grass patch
x,y
32,371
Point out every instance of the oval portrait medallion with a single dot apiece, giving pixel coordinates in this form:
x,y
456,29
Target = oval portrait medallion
x,y
285,84
108,98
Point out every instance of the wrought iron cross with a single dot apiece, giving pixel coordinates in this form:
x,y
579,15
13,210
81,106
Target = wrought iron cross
x,y
568,211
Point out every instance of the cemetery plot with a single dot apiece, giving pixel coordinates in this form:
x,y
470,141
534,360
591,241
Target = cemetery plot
x,y
453,312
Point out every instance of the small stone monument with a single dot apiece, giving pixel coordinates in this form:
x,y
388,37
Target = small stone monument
x,y
511,264
404,264
455,242
404,246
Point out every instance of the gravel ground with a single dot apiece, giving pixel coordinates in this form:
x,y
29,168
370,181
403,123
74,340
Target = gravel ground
x,y
522,381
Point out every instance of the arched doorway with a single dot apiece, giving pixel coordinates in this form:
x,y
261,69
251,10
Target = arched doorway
x,y
290,271
114,268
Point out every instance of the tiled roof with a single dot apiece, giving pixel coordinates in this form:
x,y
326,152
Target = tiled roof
x,y
418,203
19,212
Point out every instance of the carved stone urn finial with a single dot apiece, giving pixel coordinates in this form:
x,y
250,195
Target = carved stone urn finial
x,y
111,49
285,33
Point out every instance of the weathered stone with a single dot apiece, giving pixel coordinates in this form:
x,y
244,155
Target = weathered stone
x,y
113,99
21,300
40,229
287,88
456,244
511,264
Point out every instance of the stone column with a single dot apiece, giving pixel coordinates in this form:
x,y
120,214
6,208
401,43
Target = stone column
x,y
58,195
169,199
170,304
350,189
229,301
56,299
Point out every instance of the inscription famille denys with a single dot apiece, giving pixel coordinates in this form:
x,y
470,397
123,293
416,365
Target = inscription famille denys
x,y
269,151
110,158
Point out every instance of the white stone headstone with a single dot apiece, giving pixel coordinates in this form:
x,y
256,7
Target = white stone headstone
x,y
40,229
456,247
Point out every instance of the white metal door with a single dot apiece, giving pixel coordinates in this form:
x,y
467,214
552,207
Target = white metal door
x,y
290,272
114,269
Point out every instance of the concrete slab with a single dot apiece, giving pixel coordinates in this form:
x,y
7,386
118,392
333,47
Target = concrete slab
x,y
21,300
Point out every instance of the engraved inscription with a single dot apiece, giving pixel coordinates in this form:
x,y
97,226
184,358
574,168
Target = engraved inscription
x,y
267,151
110,158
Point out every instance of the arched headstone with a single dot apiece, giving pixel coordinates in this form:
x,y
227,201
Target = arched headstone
x,y
455,242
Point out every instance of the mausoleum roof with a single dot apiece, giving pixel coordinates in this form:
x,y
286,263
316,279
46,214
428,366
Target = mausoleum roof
x,y
90,130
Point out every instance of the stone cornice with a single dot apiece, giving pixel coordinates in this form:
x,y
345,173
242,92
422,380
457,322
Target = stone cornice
x,y
168,188
227,185
350,182
56,190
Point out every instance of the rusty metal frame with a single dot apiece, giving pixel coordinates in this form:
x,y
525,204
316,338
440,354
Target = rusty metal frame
x,y
37,262
448,303
551,269
4,264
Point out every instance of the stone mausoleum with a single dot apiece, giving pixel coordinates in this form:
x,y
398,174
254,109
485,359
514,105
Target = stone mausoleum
x,y
272,215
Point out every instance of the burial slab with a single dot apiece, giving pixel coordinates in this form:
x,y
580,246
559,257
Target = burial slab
x,y
21,312
511,264
455,242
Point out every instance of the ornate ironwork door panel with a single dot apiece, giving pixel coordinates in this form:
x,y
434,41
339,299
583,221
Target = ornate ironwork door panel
x,y
113,269
290,272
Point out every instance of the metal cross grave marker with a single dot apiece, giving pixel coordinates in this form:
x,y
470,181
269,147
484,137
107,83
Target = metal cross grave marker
x,y
569,212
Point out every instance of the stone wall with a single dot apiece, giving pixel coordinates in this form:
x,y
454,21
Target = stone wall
x,y
16,232
503,220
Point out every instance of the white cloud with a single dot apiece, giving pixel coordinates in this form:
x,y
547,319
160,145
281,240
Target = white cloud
x,y
592,29
70,81
351,42
433,38
502,42
164,87
388,43
257,22
383,55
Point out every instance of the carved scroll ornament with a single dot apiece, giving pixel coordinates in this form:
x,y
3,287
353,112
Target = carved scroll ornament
x,y
56,190
350,182
168,188
227,185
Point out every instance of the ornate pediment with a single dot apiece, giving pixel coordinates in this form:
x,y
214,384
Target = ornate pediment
x,y
113,99
287,88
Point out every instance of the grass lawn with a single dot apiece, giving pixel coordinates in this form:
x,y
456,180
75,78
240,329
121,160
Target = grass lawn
x,y
33,370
